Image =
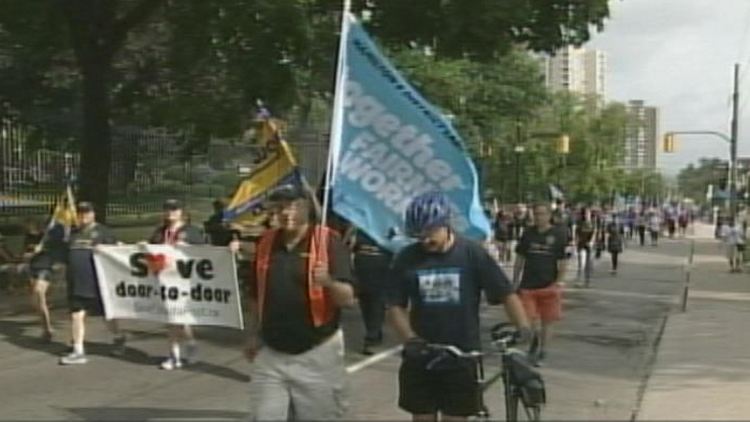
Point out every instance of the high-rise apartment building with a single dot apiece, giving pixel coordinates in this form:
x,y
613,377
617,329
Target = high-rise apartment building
x,y
576,70
641,144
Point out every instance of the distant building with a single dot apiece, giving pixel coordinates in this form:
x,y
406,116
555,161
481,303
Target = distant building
x,y
576,70
641,140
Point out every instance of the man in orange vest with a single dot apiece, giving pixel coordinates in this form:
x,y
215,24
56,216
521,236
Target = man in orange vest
x,y
302,278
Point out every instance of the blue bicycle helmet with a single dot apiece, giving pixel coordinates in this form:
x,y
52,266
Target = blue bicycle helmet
x,y
427,211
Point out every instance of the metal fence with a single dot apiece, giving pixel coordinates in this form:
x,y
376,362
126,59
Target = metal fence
x,y
30,179
148,165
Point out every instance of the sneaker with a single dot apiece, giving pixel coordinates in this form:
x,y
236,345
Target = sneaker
x,y
74,358
118,346
191,353
47,336
171,364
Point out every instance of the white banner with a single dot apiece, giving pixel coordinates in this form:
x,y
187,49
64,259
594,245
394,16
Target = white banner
x,y
194,285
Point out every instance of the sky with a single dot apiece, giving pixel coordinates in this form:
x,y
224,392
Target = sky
x,y
679,56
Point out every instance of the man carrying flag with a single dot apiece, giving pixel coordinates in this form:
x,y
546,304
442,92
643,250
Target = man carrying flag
x,y
302,278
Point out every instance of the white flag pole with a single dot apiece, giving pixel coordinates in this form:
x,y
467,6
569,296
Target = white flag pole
x,y
337,120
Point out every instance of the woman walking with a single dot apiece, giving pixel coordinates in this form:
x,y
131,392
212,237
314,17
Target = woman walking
x,y
654,227
584,234
614,243
640,224
45,251
176,230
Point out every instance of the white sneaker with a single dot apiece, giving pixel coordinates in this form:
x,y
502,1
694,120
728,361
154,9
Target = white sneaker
x,y
171,364
74,358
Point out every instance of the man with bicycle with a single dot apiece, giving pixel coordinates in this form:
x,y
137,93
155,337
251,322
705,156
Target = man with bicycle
x,y
434,299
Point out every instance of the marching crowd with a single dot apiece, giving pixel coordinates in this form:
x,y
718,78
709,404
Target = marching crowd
x,y
303,275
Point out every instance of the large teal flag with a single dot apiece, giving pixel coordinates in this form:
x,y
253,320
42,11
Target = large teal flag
x,y
393,145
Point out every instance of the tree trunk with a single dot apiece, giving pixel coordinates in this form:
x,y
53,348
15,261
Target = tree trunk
x,y
96,148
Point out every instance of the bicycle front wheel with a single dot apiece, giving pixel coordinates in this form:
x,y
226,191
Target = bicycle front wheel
x,y
512,399
533,413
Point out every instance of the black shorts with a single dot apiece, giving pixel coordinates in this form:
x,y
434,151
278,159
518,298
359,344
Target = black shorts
x,y
92,306
44,274
452,391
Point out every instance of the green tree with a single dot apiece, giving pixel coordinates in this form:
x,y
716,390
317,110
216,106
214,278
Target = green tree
x,y
85,37
484,29
693,180
76,67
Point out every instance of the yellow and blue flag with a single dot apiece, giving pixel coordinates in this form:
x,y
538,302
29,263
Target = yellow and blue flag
x,y
63,216
279,168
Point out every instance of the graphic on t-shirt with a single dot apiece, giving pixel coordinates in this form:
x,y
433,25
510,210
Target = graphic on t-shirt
x,y
440,286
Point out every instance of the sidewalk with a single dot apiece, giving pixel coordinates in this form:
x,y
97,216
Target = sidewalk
x,y
702,366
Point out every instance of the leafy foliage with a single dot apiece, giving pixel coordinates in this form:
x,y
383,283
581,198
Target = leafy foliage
x,y
73,68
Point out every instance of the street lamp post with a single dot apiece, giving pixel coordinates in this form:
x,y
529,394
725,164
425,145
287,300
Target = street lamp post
x,y
732,176
731,139
518,150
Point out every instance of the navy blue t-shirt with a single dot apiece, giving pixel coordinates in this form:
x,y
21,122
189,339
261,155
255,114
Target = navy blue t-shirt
x,y
81,273
444,290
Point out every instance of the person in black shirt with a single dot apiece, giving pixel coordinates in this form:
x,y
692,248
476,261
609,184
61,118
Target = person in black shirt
x,y
503,234
302,279
84,297
436,289
614,242
584,235
44,251
540,267
217,230
371,264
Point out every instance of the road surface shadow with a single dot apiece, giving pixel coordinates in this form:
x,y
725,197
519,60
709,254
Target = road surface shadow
x,y
149,413
218,371
15,333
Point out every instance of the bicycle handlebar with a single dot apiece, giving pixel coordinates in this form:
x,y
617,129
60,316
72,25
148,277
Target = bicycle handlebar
x,y
504,335
455,351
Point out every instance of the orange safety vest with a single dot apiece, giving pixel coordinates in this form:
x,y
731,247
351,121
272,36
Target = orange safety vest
x,y
322,307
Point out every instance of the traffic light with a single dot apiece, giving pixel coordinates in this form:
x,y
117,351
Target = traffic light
x,y
563,144
669,144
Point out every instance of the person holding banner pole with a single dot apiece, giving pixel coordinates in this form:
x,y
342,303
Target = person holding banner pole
x,y
177,230
84,297
302,279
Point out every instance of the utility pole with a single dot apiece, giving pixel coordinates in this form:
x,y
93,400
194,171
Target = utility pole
x,y
518,150
733,145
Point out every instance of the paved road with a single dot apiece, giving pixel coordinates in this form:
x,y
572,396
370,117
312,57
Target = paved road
x,y
596,368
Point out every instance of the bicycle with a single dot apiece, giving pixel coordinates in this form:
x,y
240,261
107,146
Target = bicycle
x,y
522,383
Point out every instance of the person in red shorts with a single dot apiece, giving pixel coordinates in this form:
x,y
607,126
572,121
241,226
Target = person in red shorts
x,y
540,267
